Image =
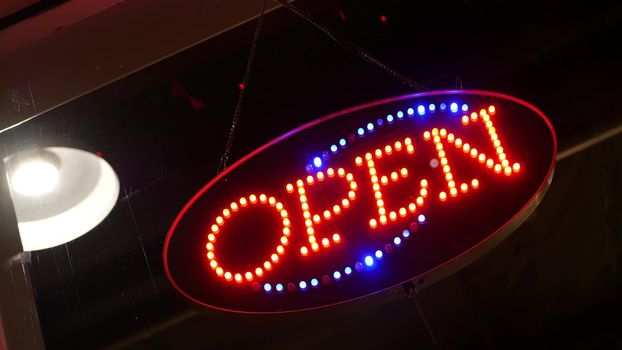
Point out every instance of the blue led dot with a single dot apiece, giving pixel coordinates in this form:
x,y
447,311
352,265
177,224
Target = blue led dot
x,y
390,118
421,218
379,122
370,126
432,107
347,270
337,275
369,261
453,107
333,148
314,282
317,161
360,131
378,254
410,111
400,114
421,110
397,241
302,285
279,287
267,287
342,142
406,233
358,266
465,107
443,106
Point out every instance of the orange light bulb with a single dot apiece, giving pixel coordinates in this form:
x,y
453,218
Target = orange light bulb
x,y
464,187
373,223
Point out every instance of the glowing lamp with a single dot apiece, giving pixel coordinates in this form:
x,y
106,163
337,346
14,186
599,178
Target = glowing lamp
x,y
59,194
34,178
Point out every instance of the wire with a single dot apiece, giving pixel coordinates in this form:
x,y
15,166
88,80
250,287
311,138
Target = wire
x,y
353,48
338,39
411,292
243,86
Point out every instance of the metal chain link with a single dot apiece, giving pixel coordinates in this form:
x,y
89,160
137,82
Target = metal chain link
x,y
243,86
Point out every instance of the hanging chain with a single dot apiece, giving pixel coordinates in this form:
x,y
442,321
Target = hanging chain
x,y
411,292
426,323
353,48
337,38
243,86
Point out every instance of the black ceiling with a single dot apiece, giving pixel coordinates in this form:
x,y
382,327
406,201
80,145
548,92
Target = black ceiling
x,y
552,284
28,12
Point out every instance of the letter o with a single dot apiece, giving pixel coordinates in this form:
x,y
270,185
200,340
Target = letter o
x,y
229,212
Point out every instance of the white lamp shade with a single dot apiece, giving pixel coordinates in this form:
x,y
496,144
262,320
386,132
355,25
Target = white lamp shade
x,y
51,211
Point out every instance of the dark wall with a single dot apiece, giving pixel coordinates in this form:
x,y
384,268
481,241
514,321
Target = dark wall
x,y
553,283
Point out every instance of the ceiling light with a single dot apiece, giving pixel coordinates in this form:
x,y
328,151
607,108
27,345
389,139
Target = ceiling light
x,y
59,194
34,178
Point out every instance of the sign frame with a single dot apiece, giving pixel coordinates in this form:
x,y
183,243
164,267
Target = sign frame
x,y
423,279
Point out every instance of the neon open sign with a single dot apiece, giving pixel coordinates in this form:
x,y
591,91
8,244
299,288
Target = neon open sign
x,y
361,201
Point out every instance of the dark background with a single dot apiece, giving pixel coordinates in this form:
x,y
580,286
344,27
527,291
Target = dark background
x,y
554,283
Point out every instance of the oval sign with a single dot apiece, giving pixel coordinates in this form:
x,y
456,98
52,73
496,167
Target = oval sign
x,y
361,201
